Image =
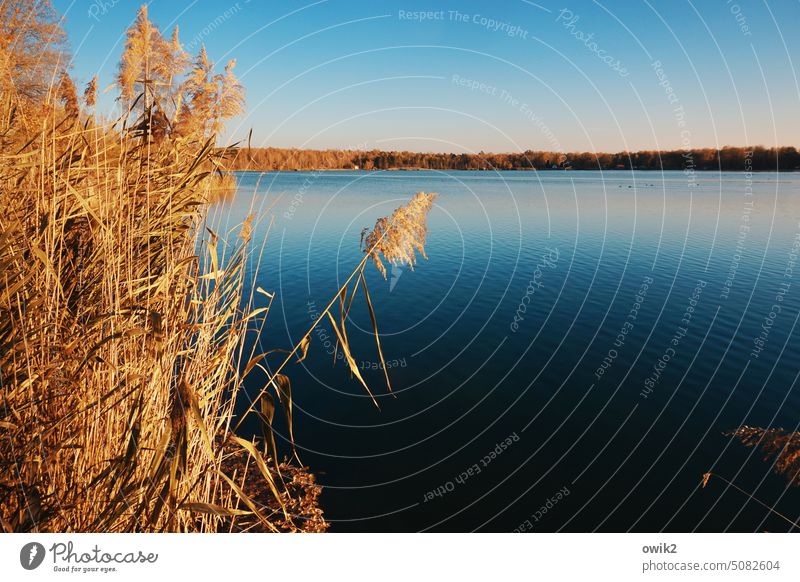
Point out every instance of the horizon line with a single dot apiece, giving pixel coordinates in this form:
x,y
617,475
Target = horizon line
x,y
517,152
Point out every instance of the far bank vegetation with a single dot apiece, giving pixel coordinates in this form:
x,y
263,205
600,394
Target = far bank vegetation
x,y
728,159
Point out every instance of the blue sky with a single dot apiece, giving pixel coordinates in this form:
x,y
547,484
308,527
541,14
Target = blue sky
x,y
491,76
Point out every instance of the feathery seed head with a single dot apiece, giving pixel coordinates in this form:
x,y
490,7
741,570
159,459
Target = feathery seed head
x,y
90,94
399,237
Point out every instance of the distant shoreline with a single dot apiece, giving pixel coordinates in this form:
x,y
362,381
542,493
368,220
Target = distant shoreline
x,y
726,159
522,170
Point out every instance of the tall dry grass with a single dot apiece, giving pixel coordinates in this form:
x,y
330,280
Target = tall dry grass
x,y
122,317
123,314
119,344
122,349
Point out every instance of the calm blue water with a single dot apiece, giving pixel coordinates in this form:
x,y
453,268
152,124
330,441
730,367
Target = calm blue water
x,y
502,417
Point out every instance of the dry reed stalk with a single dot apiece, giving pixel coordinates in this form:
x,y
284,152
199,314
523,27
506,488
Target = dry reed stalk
x,y
779,447
120,346
397,238
707,479
123,315
117,351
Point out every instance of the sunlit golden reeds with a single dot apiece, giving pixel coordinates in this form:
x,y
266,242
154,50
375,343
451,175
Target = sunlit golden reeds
x,y
120,345
124,313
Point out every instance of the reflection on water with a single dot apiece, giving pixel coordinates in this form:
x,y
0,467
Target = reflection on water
x,y
594,333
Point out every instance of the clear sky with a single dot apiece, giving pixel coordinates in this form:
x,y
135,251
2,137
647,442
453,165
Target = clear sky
x,y
506,75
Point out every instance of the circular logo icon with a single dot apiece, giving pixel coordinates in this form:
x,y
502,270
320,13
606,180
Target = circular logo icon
x,y
31,555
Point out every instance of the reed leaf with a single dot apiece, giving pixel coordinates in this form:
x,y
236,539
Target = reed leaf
x,y
349,359
375,331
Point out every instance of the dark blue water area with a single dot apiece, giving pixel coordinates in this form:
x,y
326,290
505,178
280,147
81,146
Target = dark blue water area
x,y
568,358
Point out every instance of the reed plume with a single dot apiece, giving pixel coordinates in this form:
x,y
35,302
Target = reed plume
x,y
398,238
90,93
68,95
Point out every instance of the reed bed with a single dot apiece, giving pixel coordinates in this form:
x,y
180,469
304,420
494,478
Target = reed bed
x,y
124,314
119,343
123,348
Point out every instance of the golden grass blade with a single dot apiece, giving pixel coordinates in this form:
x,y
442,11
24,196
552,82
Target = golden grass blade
x,y
267,415
262,467
210,508
254,361
342,300
248,502
190,398
85,204
305,343
375,331
283,387
350,361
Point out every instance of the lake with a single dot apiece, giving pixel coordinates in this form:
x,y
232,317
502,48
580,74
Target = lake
x,y
568,358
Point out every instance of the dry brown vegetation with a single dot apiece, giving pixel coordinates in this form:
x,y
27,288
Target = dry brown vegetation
x,y
123,314
119,343
779,447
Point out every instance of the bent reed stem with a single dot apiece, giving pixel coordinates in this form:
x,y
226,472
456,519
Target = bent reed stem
x,y
757,500
359,268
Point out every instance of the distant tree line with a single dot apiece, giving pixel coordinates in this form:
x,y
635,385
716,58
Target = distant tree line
x,y
757,158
